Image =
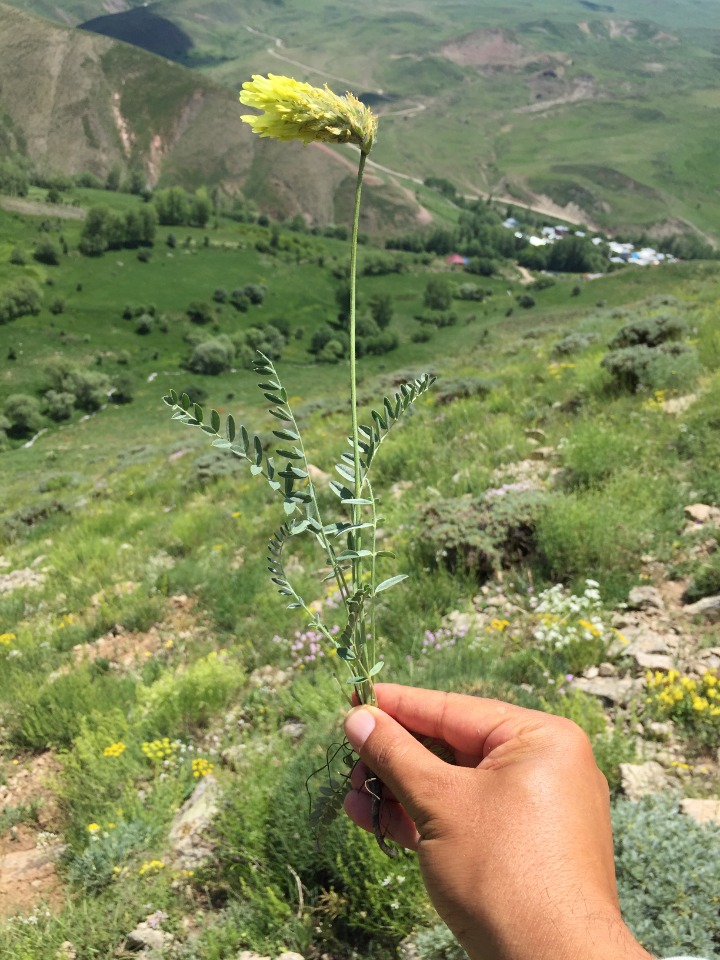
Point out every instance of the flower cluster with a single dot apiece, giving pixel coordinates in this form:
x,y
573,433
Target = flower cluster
x,y
306,646
556,370
676,695
7,638
695,704
159,750
201,767
563,618
656,401
115,749
441,639
151,867
297,111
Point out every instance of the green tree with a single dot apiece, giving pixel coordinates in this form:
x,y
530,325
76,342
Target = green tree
x,y
172,207
200,208
381,308
438,293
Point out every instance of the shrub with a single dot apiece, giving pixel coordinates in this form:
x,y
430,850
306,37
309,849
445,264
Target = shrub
x,y
667,366
240,301
23,414
650,331
573,343
187,700
525,301
212,357
59,405
90,387
219,295
438,293
47,252
470,291
463,387
668,876
481,535
123,389
18,257
20,299
542,283
255,292
144,325
200,312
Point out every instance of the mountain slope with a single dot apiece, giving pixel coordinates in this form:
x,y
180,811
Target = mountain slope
x,y
74,102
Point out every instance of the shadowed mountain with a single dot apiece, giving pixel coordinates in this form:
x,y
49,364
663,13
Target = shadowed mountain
x,y
145,29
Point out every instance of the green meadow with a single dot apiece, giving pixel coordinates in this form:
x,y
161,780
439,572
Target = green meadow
x,y
144,650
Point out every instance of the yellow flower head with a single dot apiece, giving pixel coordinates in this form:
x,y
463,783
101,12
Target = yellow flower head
x,y
298,111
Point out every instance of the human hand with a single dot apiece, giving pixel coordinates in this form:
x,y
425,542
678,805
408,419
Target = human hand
x,y
514,841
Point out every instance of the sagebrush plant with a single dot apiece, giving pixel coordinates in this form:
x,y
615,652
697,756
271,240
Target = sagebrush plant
x,y
297,111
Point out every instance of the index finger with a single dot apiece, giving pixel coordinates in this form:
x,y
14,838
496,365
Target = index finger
x,y
470,725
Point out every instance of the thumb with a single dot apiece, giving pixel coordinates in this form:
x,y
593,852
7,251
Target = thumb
x,y
396,757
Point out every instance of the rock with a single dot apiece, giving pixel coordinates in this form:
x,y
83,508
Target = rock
x,y
17,579
607,670
640,779
249,955
613,691
293,730
708,608
703,513
708,659
289,955
646,642
146,939
318,476
645,598
653,661
702,811
269,677
539,436
542,453
660,731
591,673
188,834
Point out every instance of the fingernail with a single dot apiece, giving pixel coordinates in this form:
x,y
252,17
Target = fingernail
x,y
359,724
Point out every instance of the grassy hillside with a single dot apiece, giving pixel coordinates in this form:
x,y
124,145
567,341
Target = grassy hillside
x,y
606,110
144,650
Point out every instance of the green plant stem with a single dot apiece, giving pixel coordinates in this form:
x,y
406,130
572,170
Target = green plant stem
x,y
367,690
357,565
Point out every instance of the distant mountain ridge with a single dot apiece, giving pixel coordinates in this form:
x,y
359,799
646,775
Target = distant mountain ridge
x,y
604,112
72,101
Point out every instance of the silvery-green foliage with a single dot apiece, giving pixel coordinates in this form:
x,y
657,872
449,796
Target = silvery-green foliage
x,y
668,873
342,541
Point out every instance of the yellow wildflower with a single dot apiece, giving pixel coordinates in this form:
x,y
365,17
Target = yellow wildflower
x,y
700,704
151,866
499,625
298,111
93,827
7,638
201,767
114,750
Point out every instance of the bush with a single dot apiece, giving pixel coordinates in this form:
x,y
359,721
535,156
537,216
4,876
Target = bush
x,y
18,257
255,292
90,387
20,299
525,301
573,343
667,366
481,535
57,306
650,332
47,252
240,300
668,877
212,357
219,295
123,390
59,405
200,312
23,414
470,291
187,700
144,325
438,293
